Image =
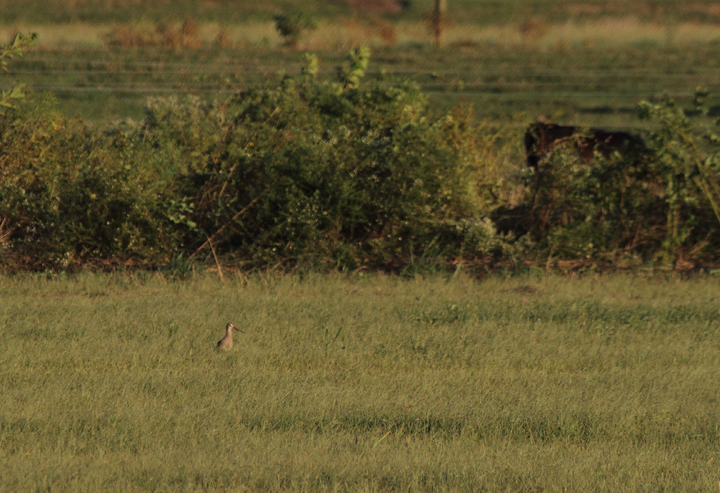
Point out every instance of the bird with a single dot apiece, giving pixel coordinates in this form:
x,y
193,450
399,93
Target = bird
x,y
226,343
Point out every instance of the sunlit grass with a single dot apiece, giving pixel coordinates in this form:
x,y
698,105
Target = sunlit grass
x,y
372,383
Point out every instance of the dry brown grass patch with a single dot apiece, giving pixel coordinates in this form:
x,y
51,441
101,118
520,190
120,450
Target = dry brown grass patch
x,y
161,35
376,6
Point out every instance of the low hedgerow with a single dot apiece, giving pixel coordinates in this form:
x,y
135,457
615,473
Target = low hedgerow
x,y
71,194
340,174
344,175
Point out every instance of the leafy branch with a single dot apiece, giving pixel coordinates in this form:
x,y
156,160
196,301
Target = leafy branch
x,y
15,49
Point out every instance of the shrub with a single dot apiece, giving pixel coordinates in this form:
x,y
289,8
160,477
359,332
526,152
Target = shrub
x,y
73,195
686,165
347,173
661,205
594,211
292,26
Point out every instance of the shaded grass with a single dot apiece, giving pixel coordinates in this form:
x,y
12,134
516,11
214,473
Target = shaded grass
x,y
359,383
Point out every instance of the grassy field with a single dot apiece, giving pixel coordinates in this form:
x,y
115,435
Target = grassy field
x,y
585,85
371,383
484,12
586,63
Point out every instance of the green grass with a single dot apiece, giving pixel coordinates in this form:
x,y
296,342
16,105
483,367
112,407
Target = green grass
x,y
359,383
585,85
586,63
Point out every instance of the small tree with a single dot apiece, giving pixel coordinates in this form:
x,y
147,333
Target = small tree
x,y
350,74
290,27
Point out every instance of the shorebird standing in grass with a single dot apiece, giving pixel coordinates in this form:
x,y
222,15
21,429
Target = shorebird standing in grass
x,y
226,343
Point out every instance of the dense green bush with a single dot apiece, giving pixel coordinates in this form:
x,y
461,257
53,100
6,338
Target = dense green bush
x,y
346,174
658,205
596,210
340,175
71,194
686,164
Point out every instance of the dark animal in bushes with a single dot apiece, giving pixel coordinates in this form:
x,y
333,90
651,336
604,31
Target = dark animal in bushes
x,y
541,138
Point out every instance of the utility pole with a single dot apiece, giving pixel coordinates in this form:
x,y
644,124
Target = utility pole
x,y
438,20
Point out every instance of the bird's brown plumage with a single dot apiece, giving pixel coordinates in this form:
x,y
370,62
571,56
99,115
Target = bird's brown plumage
x,y
226,343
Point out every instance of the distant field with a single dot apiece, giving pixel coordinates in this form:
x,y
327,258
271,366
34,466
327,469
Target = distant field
x,y
586,85
581,62
359,383
484,12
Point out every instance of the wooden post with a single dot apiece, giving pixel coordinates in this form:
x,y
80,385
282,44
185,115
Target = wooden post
x,y
438,19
